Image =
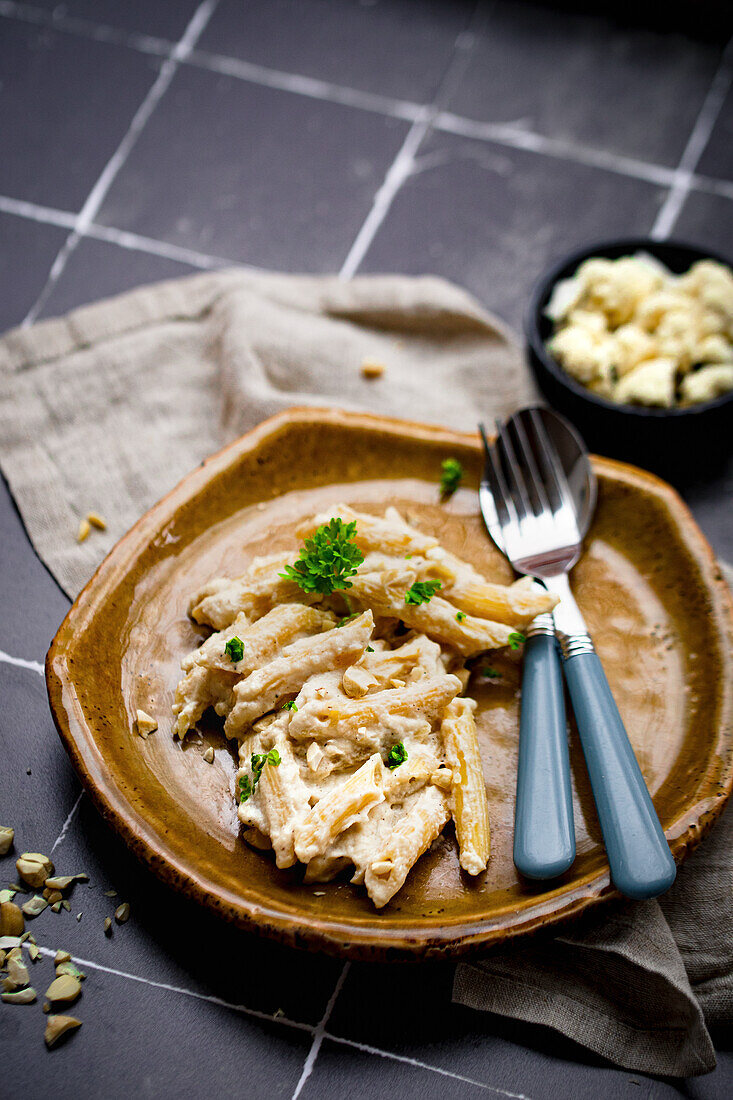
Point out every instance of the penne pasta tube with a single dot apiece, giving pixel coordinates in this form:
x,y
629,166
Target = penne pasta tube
x,y
468,788
220,601
286,673
282,797
260,640
200,689
404,843
323,719
342,807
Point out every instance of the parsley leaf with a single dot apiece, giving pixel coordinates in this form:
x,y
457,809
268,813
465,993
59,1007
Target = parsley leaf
x,y
490,672
234,649
328,559
289,706
422,592
258,760
460,616
347,619
396,755
516,639
369,649
450,478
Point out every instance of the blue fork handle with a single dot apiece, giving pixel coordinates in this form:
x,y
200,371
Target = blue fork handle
x,y
638,854
544,836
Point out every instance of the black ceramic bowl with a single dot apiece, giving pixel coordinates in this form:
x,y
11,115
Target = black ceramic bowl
x,y
668,441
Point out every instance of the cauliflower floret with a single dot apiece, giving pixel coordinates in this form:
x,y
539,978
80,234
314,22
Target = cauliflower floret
x,y
651,383
577,351
631,345
677,336
714,349
650,311
594,322
707,383
618,287
712,283
565,296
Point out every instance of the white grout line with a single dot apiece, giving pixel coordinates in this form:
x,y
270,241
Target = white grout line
x,y
136,243
398,172
97,195
422,1065
269,1017
319,1032
100,32
34,666
36,213
67,823
516,138
698,139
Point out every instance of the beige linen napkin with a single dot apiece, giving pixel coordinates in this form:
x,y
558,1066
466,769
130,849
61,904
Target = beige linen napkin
x,y
108,408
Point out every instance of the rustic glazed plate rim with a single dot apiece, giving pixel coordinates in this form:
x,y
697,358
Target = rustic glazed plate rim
x,y
354,939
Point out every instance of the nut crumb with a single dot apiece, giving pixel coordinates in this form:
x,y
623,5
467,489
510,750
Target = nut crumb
x,y
6,839
57,1026
370,368
108,926
209,755
97,521
145,724
122,912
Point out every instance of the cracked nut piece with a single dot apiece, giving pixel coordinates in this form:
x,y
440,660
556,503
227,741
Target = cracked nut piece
x,y
209,755
35,906
56,1026
20,996
34,868
64,988
356,681
11,919
122,912
61,957
83,531
18,972
370,368
6,839
97,521
145,724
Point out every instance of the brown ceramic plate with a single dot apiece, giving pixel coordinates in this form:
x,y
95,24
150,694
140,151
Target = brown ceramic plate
x,y
647,582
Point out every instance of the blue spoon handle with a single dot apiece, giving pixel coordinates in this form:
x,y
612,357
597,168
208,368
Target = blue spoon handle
x,y
638,854
544,837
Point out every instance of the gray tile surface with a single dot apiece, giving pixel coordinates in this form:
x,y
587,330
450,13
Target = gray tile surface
x,y
27,250
396,48
98,269
161,18
67,103
583,76
492,218
253,174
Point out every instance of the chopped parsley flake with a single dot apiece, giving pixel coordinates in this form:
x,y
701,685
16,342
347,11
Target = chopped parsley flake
x,y
516,639
289,706
460,616
451,475
490,672
422,592
258,760
328,559
347,619
234,649
369,649
396,755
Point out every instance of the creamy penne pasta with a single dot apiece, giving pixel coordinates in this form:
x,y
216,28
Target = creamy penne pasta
x,y
340,670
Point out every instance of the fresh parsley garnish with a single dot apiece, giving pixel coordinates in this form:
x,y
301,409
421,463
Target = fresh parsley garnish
x,y
369,649
234,649
460,616
328,559
258,760
422,592
396,755
490,672
347,619
450,478
292,705
516,639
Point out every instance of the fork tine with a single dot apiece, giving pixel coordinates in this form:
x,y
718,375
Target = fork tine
x,y
535,481
551,461
502,498
516,476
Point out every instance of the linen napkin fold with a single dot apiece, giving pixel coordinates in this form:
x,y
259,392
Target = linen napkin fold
x,y
107,408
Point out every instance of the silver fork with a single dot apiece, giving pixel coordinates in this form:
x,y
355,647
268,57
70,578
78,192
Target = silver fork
x,y
539,525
